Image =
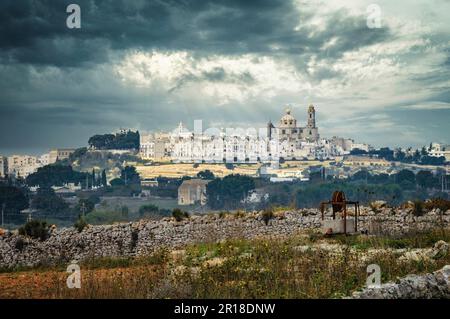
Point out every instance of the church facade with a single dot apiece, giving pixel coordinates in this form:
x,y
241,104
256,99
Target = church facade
x,y
288,129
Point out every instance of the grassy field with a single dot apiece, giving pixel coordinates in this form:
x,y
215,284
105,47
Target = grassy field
x,y
220,170
180,170
134,204
303,266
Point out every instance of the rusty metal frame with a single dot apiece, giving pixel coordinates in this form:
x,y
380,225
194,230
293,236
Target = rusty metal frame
x,y
341,205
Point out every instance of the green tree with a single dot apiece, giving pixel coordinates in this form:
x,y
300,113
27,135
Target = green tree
x,y
55,175
425,179
129,175
406,175
117,182
35,229
46,200
12,201
104,181
149,209
206,174
228,192
87,205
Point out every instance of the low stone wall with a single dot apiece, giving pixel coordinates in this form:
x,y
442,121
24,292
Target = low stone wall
x,y
430,286
143,237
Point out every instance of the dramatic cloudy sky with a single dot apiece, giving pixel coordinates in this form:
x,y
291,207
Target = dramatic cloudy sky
x,y
148,65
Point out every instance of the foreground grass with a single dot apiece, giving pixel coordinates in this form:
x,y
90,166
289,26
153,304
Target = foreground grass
x,y
303,266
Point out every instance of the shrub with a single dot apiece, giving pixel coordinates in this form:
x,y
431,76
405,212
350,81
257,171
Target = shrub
x,y
134,238
440,203
35,229
418,208
222,214
80,224
149,209
239,214
20,244
267,215
179,215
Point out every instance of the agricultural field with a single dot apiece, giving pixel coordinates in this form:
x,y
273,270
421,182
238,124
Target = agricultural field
x,y
180,170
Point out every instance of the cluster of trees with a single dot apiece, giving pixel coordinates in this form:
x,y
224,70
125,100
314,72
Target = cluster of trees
x,y
119,141
228,192
418,157
151,210
12,200
98,179
206,174
405,178
58,175
55,175
128,184
47,201
313,195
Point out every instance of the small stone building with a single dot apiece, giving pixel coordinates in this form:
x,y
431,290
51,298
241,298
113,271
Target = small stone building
x,y
192,191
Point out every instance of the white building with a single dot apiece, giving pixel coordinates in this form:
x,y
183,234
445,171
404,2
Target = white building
x,y
22,165
3,166
287,141
360,146
439,150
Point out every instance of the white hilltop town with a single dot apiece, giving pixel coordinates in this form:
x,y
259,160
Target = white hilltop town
x,y
285,141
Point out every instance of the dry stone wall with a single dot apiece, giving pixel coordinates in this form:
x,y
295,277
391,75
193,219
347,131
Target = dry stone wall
x,y
146,236
435,285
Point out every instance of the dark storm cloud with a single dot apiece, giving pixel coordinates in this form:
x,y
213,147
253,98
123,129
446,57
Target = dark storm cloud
x,y
58,85
35,32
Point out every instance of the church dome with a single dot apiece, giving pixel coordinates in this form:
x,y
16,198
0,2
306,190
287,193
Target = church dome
x,y
288,120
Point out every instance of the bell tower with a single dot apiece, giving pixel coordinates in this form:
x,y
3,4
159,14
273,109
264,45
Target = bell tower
x,y
311,116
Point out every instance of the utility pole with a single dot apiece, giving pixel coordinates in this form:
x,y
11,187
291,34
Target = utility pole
x,y
3,213
83,209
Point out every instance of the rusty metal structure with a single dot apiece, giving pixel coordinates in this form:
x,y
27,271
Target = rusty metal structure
x,y
339,204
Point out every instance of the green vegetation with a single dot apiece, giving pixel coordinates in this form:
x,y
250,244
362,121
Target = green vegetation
x,y
148,210
80,224
312,195
12,201
267,215
97,217
442,204
418,157
179,215
36,229
227,192
56,175
47,201
129,175
418,208
119,141
412,240
259,268
206,174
